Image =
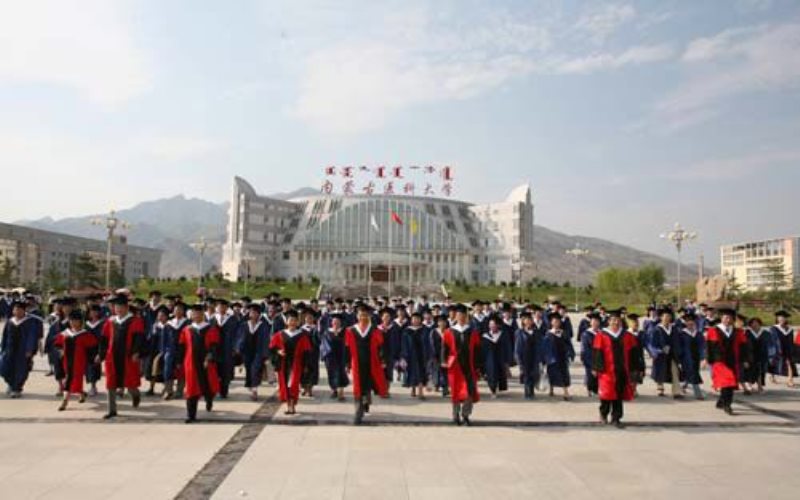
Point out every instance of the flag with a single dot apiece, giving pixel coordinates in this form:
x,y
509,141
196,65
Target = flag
x,y
414,226
374,224
396,218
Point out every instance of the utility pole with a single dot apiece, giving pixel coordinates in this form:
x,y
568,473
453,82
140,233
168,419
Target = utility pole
x,y
678,236
111,223
577,252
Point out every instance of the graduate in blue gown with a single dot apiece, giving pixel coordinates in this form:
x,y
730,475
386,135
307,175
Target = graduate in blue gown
x,y
152,359
228,327
783,339
438,373
529,353
497,352
392,337
663,344
251,347
693,354
759,339
332,352
587,352
558,354
312,374
20,340
584,323
414,356
173,363
94,325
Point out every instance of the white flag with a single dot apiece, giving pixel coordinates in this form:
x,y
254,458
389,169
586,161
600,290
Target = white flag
x,y
374,223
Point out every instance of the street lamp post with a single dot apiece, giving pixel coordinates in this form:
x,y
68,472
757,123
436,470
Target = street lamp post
x,y
678,236
577,252
200,247
247,259
111,223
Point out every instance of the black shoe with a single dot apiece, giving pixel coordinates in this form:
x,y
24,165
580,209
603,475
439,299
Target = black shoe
x,y
467,421
209,405
190,420
618,424
604,419
136,400
366,408
359,415
729,410
109,415
677,396
719,404
151,392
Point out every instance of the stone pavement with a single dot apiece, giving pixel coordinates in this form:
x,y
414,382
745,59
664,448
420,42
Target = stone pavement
x,y
407,449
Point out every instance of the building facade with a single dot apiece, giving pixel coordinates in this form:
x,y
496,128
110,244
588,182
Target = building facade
x,y
356,239
763,265
33,252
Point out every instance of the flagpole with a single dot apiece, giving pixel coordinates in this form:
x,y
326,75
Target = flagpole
x,y
369,257
410,248
389,263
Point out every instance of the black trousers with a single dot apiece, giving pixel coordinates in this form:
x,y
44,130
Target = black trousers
x,y
611,406
191,406
725,397
530,388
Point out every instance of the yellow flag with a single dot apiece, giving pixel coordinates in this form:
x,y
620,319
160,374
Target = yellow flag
x,y
414,226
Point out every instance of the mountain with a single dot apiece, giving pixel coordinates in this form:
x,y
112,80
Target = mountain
x,y
172,224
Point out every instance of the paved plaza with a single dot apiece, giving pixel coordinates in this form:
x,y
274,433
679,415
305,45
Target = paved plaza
x,y
547,448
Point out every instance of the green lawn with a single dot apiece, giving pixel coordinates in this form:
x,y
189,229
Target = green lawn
x,y
226,289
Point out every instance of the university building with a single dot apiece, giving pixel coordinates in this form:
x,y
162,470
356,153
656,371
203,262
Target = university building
x,y
34,251
387,240
760,265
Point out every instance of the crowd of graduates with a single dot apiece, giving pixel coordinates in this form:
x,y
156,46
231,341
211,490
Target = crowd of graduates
x,y
444,348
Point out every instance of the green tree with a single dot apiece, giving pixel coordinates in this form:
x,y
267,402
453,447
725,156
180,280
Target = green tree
x,y
777,281
8,271
116,276
52,279
650,281
85,272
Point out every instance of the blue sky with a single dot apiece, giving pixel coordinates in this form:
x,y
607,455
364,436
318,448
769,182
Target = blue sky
x,y
624,116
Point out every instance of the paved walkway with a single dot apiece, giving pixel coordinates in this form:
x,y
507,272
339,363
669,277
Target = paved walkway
x,y
407,449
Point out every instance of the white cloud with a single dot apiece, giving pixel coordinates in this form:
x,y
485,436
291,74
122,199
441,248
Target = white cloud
x,y
733,168
642,54
600,23
735,62
84,45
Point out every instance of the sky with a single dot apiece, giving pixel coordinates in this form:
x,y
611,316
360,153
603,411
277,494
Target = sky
x,y
624,117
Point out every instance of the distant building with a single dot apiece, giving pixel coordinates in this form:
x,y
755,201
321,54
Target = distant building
x,y
333,238
34,251
759,265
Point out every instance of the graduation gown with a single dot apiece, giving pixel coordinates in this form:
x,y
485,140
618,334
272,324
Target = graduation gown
x,y
332,352
693,352
587,358
75,348
414,353
438,375
152,364
313,356
785,360
198,345
637,376
529,354
228,327
461,355
94,370
56,327
292,367
664,346
496,359
759,347
558,354
364,356
252,343
725,353
17,348
392,345
614,358
173,364
122,338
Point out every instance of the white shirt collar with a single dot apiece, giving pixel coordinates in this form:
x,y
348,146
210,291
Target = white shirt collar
x,y
253,326
69,332
199,326
19,322
177,323
690,332
293,333
557,333
462,329
785,331
493,337
667,330
221,320
613,333
119,320
365,332
92,324
727,332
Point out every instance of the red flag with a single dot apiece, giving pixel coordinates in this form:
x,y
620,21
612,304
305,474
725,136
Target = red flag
x,y
396,218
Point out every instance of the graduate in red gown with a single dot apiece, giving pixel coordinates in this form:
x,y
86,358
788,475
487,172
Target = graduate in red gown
x,y
120,346
74,344
727,350
198,345
615,360
291,357
460,355
365,361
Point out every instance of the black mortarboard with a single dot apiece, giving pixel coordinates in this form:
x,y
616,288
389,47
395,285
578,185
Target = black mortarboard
x,y
120,300
460,308
162,309
255,306
76,314
199,307
726,310
291,313
782,314
614,313
155,293
633,316
222,302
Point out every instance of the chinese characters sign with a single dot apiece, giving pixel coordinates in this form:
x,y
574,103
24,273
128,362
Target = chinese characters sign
x,y
410,180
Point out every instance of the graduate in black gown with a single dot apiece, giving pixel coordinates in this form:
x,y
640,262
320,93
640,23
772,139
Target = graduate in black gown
x,y
20,340
559,353
758,339
587,350
310,327
783,337
438,373
414,356
496,348
251,347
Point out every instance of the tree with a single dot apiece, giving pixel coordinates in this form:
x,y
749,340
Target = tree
x,y
52,279
777,281
650,280
116,276
85,272
7,271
